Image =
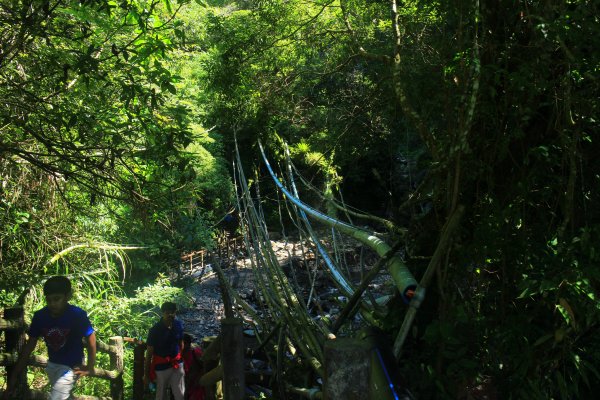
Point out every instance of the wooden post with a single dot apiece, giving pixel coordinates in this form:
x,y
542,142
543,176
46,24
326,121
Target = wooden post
x,y
232,358
139,353
116,364
15,339
347,368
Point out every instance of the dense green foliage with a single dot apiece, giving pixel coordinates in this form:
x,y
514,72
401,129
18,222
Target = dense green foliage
x,y
422,106
97,147
117,117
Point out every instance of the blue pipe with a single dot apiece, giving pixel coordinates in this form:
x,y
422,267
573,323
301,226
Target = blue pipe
x,y
387,375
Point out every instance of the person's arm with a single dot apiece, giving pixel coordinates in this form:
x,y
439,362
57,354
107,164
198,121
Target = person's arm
x,y
149,354
20,364
90,344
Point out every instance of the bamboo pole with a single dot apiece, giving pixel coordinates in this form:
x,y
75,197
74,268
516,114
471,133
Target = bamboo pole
x,y
274,286
451,225
212,376
350,306
211,365
402,277
277,292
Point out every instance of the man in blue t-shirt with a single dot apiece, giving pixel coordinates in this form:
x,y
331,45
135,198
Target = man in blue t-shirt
x,y
164,364
63,326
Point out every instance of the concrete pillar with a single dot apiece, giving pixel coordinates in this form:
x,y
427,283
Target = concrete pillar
x,y
347,368
232,358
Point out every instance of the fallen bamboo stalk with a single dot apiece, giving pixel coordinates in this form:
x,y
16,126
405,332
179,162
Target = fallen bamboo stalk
x,y
447,231
403,278
212,376
350,306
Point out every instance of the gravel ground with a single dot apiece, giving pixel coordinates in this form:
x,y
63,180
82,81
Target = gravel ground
x,y
203,318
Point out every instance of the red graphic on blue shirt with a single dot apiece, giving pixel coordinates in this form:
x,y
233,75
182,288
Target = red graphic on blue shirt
x,y
56,338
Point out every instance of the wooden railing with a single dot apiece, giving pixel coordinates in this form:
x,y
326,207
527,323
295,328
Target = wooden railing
x,y
13,325
227,248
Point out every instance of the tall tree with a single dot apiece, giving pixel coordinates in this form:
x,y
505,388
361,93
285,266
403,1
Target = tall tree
x,y
92,121
83,83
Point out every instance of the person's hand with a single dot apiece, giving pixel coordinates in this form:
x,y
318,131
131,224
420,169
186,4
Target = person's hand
x,y
82,370
151,386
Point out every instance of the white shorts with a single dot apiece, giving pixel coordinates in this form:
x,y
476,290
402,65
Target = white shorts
x,y
62,380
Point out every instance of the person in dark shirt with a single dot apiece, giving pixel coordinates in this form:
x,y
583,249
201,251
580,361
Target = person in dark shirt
x,y
63,326
164,363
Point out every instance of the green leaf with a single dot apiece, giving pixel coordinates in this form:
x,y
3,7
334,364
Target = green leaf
x,y
167,4
132,17
169,87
